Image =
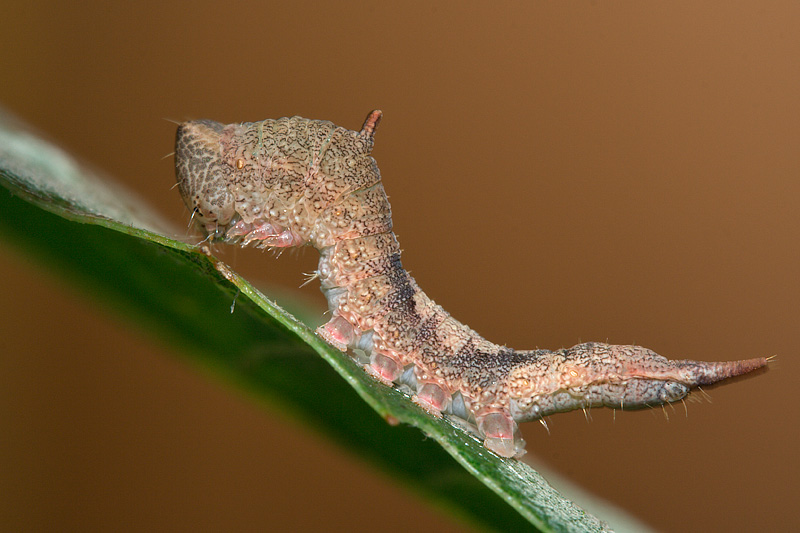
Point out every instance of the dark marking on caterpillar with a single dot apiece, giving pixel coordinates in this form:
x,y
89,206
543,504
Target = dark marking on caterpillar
x,y
295,181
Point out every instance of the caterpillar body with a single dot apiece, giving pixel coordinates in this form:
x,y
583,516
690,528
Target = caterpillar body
x,y
295,181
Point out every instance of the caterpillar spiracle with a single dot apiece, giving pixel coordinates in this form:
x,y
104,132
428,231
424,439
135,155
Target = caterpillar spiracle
x,y
295,181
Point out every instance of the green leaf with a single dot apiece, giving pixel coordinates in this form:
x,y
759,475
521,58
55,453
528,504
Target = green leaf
x,y
115,247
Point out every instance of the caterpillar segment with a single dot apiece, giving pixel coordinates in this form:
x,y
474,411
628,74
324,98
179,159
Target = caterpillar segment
x,y
295,181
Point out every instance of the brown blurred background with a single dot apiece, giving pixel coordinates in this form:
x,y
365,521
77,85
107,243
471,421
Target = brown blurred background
x,y
559,172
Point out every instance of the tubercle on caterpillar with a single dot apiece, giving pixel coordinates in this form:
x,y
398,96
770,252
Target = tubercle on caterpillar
x,y
295,181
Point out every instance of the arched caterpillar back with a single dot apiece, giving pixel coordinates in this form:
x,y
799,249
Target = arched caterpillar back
x,y
295,181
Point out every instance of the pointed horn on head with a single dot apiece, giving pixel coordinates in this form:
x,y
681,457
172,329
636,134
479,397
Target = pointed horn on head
x,y
371,124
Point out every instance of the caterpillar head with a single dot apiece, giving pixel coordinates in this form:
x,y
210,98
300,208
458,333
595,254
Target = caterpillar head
x,y
277,183
203,176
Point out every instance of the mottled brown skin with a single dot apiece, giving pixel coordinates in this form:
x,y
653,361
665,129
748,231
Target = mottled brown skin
x,y
295,181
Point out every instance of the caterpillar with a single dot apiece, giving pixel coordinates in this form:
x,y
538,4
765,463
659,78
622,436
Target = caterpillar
x,y
295,181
